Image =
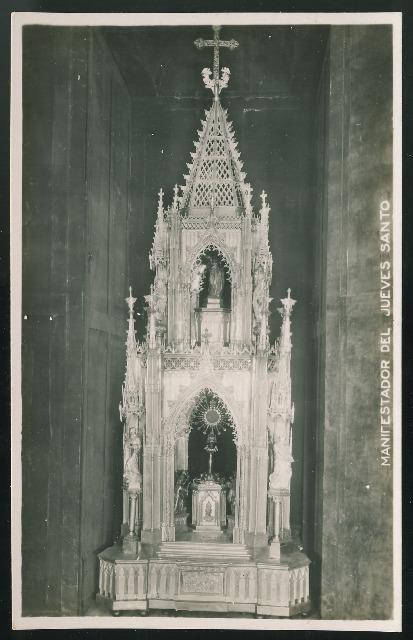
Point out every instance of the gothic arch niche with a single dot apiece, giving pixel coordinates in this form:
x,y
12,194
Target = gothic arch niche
x,y
211,296
211,259
212,242
205,410
181,408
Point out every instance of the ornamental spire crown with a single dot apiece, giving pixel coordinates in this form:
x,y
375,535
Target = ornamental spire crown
x,y
215,182
216,84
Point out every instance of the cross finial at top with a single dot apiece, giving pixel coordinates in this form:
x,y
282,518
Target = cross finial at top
x,y
216,84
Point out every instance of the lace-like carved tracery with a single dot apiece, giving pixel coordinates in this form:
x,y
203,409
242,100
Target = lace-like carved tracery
x,y
215,182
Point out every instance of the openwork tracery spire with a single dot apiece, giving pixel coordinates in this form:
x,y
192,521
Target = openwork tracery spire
x,y
215,177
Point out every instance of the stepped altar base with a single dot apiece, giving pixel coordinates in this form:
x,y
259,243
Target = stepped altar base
x,y
205,576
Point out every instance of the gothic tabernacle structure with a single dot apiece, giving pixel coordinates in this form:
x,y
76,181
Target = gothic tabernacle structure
x,y
203,389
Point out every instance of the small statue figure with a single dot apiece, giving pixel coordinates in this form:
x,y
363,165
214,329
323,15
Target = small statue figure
x,y
159,294
230,487
197,278
258,297
131,473
181,491
281,476
208,511
216,278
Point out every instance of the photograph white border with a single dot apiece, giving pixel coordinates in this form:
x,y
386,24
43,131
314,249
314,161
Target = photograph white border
x,y
180,19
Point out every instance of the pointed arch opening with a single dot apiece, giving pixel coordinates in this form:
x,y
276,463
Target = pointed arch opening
x,y
210,419
211,295
207,449
216,278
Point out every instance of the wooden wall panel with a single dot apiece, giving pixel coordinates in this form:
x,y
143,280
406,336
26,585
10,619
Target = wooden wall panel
x,y
355,491
75,192
53,272
106,289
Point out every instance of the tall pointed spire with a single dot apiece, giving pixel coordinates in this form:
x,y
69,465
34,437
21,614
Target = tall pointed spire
x,y
215,177
132,386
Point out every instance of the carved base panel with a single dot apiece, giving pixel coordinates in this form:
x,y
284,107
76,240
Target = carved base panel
x,y
123,605
283,612
194,605
256,585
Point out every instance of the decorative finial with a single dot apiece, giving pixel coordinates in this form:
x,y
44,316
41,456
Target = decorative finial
x,y
288,303
264,199
160,202
216,84
248,197
130,301
265,209
175,201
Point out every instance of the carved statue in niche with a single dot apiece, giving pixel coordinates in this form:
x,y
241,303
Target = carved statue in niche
x,y
258,298
272,404
208,511
281,476
230,490
181,492
198,278
132,446
160,297
216,278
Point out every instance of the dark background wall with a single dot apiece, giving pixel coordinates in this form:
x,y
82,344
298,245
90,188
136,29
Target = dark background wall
x,y
109,117
76,209
353,524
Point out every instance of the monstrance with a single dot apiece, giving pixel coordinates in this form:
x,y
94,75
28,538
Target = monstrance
x,y
210,418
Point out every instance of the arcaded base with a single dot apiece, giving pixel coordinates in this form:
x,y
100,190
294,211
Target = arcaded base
x,y
208,576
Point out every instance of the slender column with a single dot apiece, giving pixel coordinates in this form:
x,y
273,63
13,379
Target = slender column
x,y
276,520
168,520
243,491
132,513
257,478
192,328
247,281
285,518
151,530
130,543
236,533
232,326
181,454
125,511
151,527
257,486
173,307
275,548
186,314
171,494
